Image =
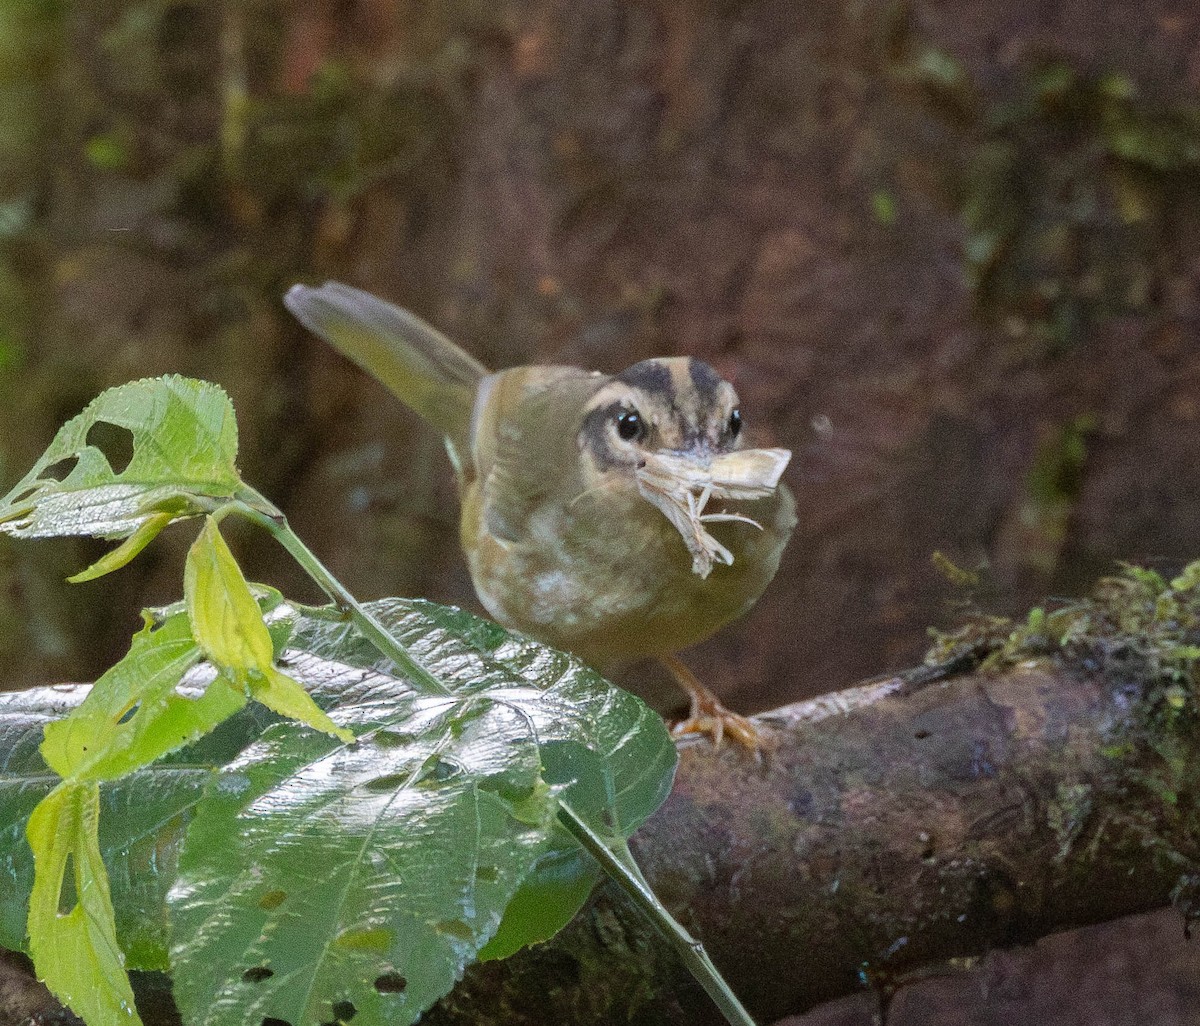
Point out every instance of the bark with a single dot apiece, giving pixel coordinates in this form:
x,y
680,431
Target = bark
x,y
1037,777
889,830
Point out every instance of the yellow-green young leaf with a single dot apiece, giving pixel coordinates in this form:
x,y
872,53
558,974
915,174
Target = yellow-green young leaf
x,y
226,621
76,952
117,728
228,625
126,551
279,693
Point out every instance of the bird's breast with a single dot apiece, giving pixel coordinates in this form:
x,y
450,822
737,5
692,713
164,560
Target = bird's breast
x,y
607,576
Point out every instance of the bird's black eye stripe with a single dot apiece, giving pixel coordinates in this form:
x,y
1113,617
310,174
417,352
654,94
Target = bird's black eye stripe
x,y
630,425
735,423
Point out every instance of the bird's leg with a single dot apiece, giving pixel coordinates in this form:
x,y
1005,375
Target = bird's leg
x,y
707,715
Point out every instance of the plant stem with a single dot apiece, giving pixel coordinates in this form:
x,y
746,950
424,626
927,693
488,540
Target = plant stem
x,y
624,871
258,510
619,865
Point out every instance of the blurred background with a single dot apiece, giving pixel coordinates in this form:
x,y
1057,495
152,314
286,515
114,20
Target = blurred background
x,y
946,252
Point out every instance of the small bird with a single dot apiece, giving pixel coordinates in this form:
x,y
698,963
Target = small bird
x,y
585,496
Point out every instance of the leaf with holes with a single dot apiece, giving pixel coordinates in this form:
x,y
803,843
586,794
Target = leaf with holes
x,y
142,815
184,444
75,951
134,714
131,717
615,782
139,711
320,880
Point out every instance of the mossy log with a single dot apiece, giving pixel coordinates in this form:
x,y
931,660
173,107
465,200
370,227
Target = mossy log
x,y
887,831
1033,777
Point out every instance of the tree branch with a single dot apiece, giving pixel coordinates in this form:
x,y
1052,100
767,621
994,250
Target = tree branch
x,y
893,827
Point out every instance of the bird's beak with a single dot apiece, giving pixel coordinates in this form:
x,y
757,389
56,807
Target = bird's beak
x,y
680,484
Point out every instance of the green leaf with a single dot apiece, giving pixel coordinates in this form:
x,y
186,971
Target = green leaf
x,y
184,444
24,781
143,816
279,693
132,717
371,876
76,952
625,768
127,551
229,628
225,617
133,714
546,901
315,873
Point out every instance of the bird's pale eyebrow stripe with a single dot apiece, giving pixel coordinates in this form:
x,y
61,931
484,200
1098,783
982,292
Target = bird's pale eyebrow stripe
x,y
650,376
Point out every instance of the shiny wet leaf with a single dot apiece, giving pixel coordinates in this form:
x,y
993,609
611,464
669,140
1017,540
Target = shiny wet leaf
x,y
318,874
402,857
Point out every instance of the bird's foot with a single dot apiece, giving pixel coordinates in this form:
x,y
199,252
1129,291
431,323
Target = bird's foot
x,y
707,714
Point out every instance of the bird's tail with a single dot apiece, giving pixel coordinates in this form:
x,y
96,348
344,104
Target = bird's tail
x,y
415,361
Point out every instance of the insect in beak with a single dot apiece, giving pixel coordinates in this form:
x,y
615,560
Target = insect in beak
x,y
681,484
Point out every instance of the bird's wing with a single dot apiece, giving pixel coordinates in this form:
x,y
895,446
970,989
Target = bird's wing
x,y
415,361
525,442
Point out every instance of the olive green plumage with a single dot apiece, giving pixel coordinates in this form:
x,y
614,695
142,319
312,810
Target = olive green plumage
x,y
561,541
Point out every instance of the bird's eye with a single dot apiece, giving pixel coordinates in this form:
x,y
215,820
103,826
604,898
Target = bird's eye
x,y
630,425
735,423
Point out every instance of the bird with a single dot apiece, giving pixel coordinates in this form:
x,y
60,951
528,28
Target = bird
x,y
586,519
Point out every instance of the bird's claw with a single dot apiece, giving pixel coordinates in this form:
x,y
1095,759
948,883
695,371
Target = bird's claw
x,y
708,716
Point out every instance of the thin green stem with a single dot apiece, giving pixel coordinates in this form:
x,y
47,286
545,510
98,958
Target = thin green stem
x,y
258,510
624,871
619,865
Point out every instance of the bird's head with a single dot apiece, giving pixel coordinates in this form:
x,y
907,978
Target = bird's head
x,y
672,428
674,404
